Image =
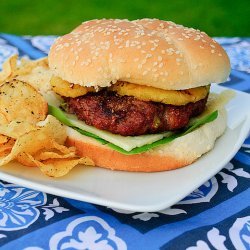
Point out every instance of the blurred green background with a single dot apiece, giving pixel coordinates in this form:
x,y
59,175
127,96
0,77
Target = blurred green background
x,y
216,17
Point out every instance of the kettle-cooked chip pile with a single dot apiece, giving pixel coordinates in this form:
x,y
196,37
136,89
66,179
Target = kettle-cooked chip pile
x,y
27,133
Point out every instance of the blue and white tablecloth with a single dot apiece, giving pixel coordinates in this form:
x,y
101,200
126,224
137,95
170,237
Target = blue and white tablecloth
x,y
215,216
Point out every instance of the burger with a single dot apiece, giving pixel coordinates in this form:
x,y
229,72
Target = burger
x,y
134,93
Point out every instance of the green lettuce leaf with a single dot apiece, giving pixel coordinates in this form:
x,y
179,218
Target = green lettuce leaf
x,y
195,123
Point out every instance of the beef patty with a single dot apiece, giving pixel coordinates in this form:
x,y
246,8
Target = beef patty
x,y
126,115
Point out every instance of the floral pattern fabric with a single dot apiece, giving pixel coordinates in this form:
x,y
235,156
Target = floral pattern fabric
x,y
214,216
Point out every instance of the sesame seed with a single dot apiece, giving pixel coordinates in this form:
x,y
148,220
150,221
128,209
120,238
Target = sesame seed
x,y
212,51
219,54
159,58
144,72
170,51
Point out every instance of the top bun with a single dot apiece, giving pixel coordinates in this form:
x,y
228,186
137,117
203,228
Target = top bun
x,y
148,52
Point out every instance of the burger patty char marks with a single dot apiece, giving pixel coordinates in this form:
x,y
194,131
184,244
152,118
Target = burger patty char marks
x,y
128,116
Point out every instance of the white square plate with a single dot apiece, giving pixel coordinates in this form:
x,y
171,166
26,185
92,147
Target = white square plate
x,y
144,192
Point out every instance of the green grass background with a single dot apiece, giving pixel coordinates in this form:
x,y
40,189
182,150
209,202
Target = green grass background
x,y
216,17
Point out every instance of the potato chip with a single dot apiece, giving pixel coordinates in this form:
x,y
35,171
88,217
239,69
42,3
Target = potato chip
x,y
26,160
3,119
58,152
40,148
26,65
36,73
42,156
41,138
60,167
3,139
20,101
9,67
6,147
38,77
16,128
63,149
54,129
53,167
4,153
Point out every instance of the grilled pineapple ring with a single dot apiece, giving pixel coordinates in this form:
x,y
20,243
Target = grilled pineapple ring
x,y
67,89
144,93
174,97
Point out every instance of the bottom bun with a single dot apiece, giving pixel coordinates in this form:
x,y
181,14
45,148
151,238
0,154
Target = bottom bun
x,y
179,153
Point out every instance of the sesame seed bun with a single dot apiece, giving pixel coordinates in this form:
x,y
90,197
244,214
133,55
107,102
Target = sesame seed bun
x,y
179,153
148,52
